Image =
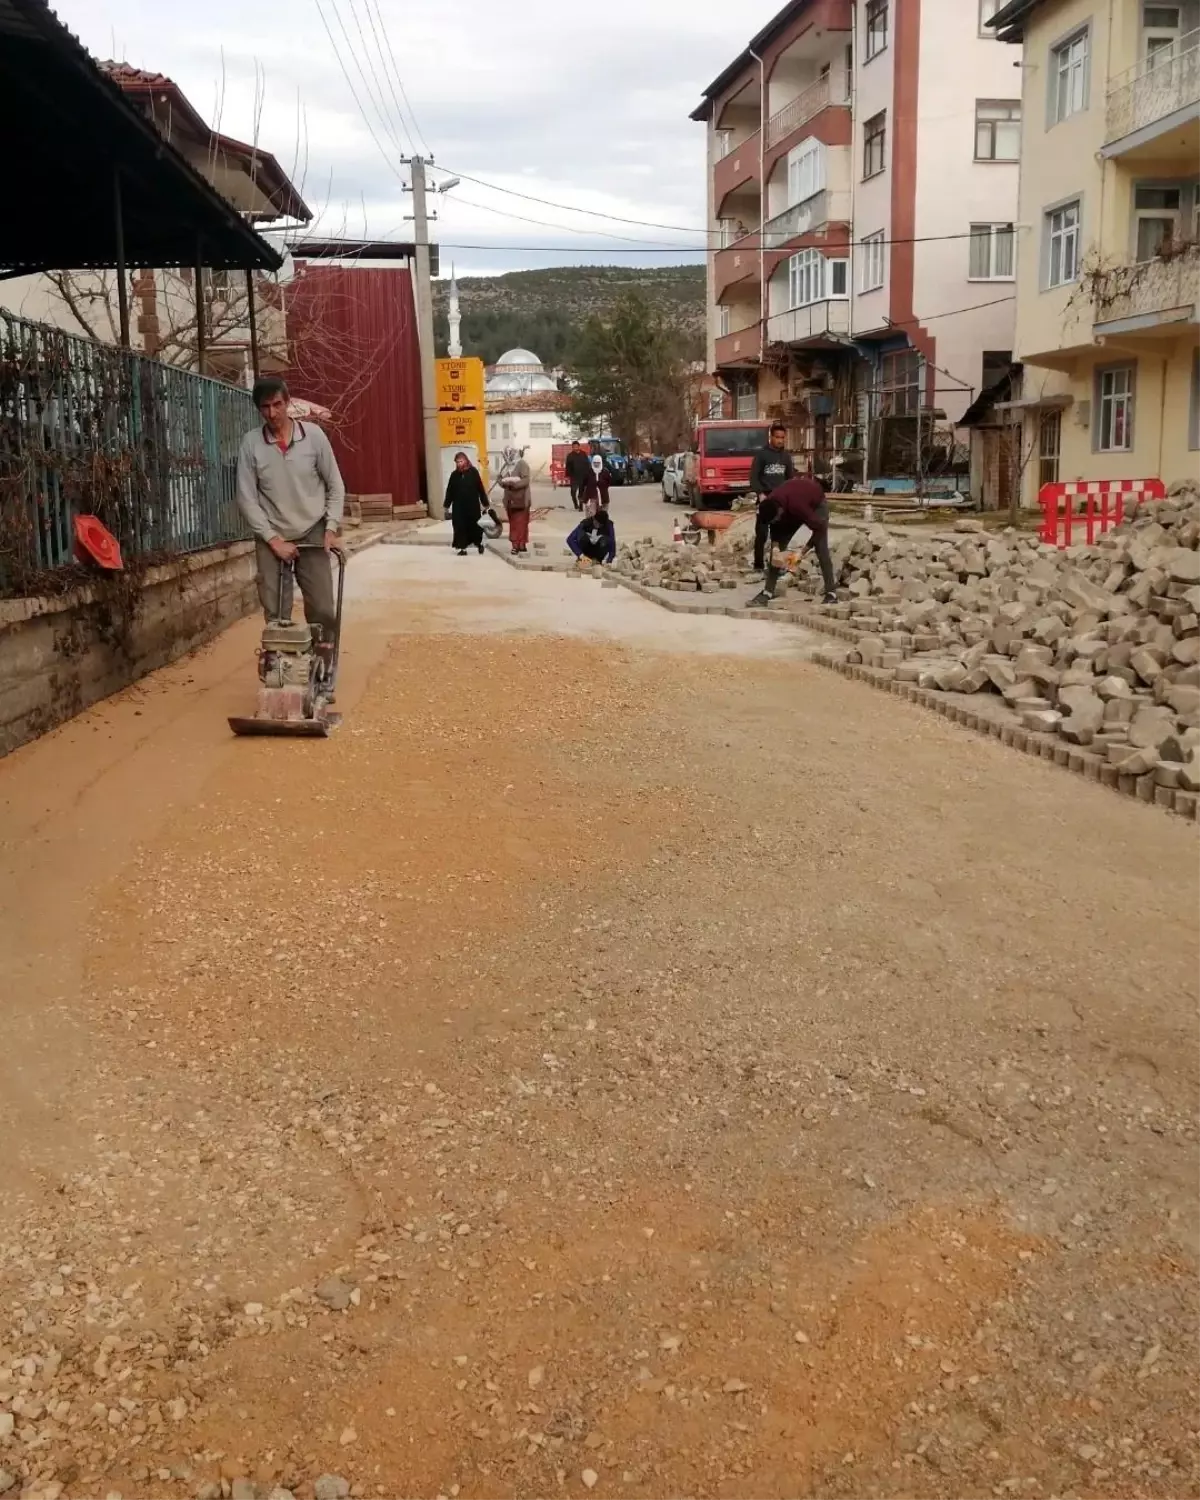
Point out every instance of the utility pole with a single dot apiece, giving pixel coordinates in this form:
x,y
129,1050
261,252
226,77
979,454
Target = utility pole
x,y
424,299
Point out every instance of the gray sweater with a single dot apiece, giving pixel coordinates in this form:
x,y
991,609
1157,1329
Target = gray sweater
x,y
287,494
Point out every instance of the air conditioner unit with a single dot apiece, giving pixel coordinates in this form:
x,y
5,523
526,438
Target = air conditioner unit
x,y
1083,413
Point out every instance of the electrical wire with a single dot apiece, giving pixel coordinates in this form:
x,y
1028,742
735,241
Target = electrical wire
x,y
395,73
377,96
366,119
507,213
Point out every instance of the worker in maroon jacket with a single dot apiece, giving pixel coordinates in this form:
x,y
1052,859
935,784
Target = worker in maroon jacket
x,y
795,503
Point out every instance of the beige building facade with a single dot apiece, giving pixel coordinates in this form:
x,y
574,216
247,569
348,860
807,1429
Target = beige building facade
x,y
1108,242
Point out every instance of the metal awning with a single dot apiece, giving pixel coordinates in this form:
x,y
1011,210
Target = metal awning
x,y
89,183
1035,403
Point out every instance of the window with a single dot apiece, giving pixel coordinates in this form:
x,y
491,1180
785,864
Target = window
x,y
991,253
1157,214
806,278
812,278
541,429
1062,244
1069,77
877,22
722,144
987,9
997,129
806,171
875,144
871,267
1049,447
723,321
1114,409
899,383
492,433
1160,35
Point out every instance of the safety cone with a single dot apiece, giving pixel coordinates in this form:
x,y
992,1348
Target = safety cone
x,y
677,534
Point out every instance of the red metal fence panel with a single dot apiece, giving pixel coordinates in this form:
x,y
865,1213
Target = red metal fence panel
x,y
1080,510
353,337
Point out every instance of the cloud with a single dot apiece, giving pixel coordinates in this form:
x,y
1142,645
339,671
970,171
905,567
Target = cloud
x,y
553,98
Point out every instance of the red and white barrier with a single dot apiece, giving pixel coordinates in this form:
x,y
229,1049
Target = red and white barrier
x,y
1091,507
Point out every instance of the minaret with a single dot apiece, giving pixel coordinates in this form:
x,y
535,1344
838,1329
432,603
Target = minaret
x,y
454,347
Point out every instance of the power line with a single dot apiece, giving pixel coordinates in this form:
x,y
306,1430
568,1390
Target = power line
x,y
377,96
507,213
366,119
395,73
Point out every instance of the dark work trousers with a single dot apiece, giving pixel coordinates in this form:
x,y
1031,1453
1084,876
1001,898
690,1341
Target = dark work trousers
x,y
314,574
783,532
577,493
762,532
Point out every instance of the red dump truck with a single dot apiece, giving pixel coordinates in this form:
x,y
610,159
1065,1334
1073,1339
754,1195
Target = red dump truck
x,y
718,472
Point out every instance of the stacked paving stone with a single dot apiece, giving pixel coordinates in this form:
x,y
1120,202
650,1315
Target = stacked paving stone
x,y
690,568
1097,645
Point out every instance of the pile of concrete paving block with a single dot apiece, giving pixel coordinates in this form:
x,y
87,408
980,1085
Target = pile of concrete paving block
x,y
692,567
1098,644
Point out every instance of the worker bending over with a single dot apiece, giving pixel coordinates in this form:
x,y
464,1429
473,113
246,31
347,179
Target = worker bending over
x,y
795,503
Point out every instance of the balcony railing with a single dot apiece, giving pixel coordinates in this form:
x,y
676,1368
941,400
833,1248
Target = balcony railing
x,y
738,167
816,97
801,218
740,348
1153,89
1166,284
817,320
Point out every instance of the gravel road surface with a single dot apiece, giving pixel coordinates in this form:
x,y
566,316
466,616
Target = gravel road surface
x,y
625,1059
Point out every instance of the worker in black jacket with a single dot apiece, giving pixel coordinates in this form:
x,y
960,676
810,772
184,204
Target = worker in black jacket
x,y
772,467
578,467
798,502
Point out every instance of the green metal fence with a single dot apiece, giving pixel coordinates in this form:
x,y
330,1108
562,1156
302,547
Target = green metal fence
x,y
86,428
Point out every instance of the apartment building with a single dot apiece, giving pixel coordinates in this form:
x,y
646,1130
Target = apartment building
x,y
862,192
1108,265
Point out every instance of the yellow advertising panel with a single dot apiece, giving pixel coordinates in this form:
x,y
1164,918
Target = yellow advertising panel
x,y
459,384
463,427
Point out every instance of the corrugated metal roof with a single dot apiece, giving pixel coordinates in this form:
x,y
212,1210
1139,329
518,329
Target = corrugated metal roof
x,y
62,177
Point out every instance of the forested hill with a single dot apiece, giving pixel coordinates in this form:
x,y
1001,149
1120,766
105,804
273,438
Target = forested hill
x,y
544,310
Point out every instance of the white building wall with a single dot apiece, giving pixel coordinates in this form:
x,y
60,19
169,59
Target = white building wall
x,y
526,430
871,201
953,191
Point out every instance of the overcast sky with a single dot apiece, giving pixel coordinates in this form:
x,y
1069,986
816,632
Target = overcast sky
x,y
582,104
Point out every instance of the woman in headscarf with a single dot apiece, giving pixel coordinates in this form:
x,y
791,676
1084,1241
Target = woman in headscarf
x,y
516,483
594,540
466,501
597,484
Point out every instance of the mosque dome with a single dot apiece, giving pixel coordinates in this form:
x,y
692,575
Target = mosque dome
x,y
522,357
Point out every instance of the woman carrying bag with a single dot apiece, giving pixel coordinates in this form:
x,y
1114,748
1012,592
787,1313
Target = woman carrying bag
x,y
466,502
516,481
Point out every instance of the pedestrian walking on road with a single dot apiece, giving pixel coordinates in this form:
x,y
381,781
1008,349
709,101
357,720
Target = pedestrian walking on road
x,y
578,468
598,482
466,501
773,466
595,538
290,490
798,502
516,482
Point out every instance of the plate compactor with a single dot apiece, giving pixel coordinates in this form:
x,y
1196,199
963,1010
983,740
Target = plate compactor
x,y
297,670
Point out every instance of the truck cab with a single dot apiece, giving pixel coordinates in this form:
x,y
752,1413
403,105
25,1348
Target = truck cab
x,y
724,456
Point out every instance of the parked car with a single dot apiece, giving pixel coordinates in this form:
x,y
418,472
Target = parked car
x,y
674,490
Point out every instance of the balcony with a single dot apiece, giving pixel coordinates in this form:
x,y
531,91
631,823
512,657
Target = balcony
x,y
739,262
741,348
1151,299
816,97
1155,97
818,322
801,218
736,168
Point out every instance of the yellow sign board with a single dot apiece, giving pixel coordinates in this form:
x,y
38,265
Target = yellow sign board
x,y
463,427
460,384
